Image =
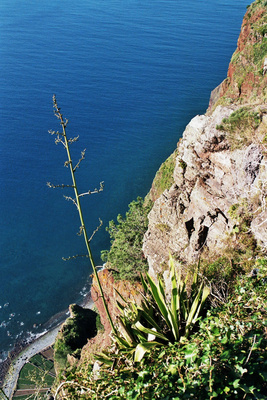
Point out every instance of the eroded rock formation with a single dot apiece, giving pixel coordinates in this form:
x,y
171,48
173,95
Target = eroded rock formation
x,y
210,179
220,173
111,288
246,80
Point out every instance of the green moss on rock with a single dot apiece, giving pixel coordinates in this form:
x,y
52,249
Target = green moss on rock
x,y
164,177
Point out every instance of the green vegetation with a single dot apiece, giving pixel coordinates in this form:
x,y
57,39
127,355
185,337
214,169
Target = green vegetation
x,y
221,273
36,377
239,119
242,239
241,213
246,82
125,256
224,359
30,374
257,4
182,164
260,49
98,323
27,397
241,126
164,177
166,173
74,334
238,257
260,27
158,321
163,227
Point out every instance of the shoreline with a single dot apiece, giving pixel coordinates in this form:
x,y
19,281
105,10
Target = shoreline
x,y
23,351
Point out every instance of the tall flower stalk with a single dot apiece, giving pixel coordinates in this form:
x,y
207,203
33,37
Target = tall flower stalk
x,y
61,137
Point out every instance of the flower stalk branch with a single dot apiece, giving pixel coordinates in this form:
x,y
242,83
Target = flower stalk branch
x,y
62,137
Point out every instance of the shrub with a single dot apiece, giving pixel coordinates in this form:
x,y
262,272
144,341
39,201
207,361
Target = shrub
x,y
160,319
182,164
125,255
74,334
163,227
260,49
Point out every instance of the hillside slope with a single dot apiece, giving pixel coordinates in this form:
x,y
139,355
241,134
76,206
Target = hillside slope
x,y
212,206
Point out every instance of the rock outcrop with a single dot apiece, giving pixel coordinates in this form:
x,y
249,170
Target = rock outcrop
x,y
210,180
246,80
111,288
220,174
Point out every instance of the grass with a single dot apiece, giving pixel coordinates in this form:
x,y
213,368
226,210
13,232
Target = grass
x,y
163,227
36,374
164,177
42,362
241,126
260,51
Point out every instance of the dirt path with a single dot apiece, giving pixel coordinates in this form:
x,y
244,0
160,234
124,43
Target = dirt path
x,y
27,392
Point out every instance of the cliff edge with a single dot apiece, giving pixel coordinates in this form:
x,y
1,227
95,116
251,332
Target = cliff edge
x,y
218,198
246,77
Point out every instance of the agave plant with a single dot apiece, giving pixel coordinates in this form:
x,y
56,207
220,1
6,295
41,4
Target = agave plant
x,y
160,320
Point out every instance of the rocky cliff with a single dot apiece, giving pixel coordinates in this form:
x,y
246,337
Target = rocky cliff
x,y
216,180
246,78
126,289
211,192
220,174
214,186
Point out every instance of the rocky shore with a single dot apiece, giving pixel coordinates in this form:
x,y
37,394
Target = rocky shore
x,y
20,359
25,349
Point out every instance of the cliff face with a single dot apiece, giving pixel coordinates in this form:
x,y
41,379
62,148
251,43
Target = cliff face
x,y
211,181
215,181
126,289
246,78
220,174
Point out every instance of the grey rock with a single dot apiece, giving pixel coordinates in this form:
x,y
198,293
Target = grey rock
x,y
252,161
196,208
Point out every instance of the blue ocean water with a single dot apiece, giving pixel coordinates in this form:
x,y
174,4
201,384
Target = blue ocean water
x,y
129,75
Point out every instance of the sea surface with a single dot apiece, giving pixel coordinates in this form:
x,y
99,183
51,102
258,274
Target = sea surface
x,y
129,75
